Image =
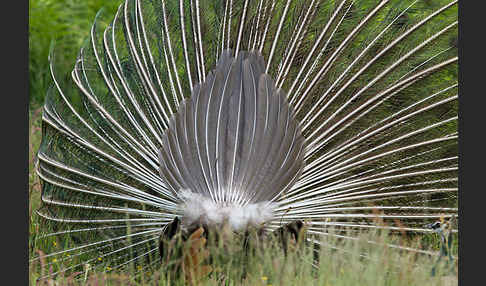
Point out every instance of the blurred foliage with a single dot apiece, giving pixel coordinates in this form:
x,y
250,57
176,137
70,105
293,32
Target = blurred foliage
x,y
68,23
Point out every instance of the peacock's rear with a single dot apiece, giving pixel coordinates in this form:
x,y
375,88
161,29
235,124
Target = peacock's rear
x,y
251,113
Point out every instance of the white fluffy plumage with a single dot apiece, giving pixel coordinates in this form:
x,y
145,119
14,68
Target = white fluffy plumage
x,y
197,208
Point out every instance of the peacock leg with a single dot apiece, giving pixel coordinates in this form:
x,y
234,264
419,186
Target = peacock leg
x,y
169,232
186,246
294,229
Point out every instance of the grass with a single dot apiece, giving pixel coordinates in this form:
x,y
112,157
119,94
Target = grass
x,y
267,265
34,183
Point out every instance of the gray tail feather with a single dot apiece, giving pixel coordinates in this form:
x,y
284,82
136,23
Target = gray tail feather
x,y
236,138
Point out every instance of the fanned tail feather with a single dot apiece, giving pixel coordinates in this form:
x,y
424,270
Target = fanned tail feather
x,y
339,113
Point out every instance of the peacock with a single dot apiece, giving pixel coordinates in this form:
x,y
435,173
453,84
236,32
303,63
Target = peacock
x,y
266,114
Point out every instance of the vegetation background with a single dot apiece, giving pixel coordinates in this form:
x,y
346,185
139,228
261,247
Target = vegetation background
x,y
67,23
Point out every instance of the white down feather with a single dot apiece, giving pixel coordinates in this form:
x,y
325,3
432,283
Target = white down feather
x,y
198,208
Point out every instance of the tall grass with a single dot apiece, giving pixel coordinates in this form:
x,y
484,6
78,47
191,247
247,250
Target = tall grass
x,y
348,262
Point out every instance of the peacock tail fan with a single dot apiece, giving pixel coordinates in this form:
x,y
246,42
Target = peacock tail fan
x,y
342,114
